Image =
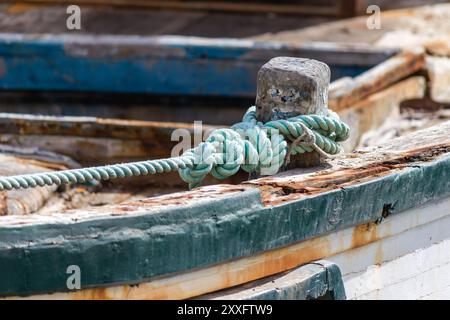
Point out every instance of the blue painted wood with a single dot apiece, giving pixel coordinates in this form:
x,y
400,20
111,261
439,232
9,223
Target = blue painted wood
x,y
157,65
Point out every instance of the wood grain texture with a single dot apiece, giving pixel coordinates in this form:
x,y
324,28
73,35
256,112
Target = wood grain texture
x,y
185,231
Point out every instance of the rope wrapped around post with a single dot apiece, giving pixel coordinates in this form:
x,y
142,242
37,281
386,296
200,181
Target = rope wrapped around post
x,y
249,145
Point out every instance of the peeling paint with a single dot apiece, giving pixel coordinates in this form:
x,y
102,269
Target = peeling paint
x,y
225,235
277,192
157,65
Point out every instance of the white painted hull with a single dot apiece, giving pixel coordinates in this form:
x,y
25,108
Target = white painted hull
x,y
412,263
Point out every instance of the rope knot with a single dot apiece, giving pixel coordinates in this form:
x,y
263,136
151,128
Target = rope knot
x,y
250,145
264,148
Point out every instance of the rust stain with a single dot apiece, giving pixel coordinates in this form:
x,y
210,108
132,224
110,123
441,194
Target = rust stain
x,y
236,272
217,277
364,234
379,257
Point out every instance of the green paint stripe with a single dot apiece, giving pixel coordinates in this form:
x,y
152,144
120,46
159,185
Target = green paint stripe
x,y
131,249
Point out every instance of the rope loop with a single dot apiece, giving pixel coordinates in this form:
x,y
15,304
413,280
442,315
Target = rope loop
x,y
249,145
263,148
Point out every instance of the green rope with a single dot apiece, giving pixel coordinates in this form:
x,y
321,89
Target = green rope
x,y
250,145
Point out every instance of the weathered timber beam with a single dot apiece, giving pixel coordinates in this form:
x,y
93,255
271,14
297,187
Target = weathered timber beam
x,y
93,140
374,110
35,155
28,124
20,202
247,7
137,241
377,241
158,65
317,280
91,151
347,92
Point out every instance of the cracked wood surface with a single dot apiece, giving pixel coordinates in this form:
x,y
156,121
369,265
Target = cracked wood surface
x,y
343,170
346,92
22,202
93,141
363,102
143,240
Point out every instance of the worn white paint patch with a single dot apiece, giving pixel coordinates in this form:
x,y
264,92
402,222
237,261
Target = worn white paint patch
x,y
398,235
443,294
412,263
423,274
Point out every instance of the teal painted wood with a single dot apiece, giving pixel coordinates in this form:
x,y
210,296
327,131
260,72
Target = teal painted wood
x,y
157,65
317,280
153,242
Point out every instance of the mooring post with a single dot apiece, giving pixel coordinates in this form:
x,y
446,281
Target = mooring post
x,y
288,87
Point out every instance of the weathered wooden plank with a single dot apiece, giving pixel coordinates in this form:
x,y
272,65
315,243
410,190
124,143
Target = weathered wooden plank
x,y
407,28
137,241
348,92
426,275
21,17
27,124
211,110
157,65
93,140
317,280
249,7
43,158
374,110
20,202
92,151
375,240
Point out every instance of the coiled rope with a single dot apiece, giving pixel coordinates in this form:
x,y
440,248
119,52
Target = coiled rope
x,y
249,145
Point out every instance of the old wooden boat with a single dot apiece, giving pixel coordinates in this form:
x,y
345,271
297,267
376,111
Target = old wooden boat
x,y
369,223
